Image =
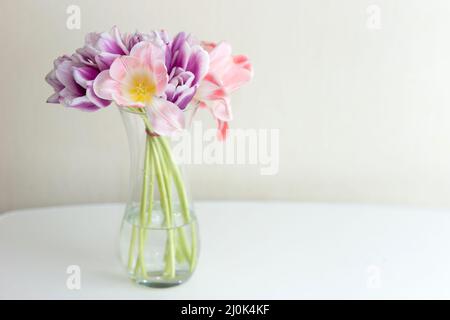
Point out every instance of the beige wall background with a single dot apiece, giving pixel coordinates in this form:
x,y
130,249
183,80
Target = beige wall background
x,y
363,114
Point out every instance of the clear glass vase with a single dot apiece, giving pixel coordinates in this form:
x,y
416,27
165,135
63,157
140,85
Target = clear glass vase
x,y
159,242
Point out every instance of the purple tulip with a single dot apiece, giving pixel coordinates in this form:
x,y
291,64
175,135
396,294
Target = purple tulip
x,y
187,63
72,81
101,49
72,76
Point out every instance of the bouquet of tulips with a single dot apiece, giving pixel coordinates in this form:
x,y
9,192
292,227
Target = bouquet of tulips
x,y
159,78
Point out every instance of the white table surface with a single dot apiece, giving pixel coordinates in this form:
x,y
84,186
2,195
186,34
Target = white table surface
x,y
249,250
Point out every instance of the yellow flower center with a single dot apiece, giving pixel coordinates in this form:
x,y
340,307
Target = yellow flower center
x,y
142,88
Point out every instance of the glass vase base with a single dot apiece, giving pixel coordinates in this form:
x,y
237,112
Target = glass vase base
x,y
159,280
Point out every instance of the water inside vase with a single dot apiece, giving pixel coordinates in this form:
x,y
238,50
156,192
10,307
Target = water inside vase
x,y
157,254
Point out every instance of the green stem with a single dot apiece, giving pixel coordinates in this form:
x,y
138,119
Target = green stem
x,y
151,191
181,232
178,181
169,222
194,247
159,157
170,264
131,249
142,222
165,198
149,207
183,202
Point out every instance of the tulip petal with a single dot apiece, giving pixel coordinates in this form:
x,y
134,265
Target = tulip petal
x,y
104,60
118,39
125,101
148,53
122,66
219,57
198,63
104,86
165,117
221,109
51,80
238,74
99,102
211,88
180,59
91,38
222,130
160,77
83,103
83,75
64,75
107,43
66,94
178,41
54,98
185,97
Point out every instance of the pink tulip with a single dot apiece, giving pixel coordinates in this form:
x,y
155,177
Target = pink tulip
x,y
140,80
226,74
